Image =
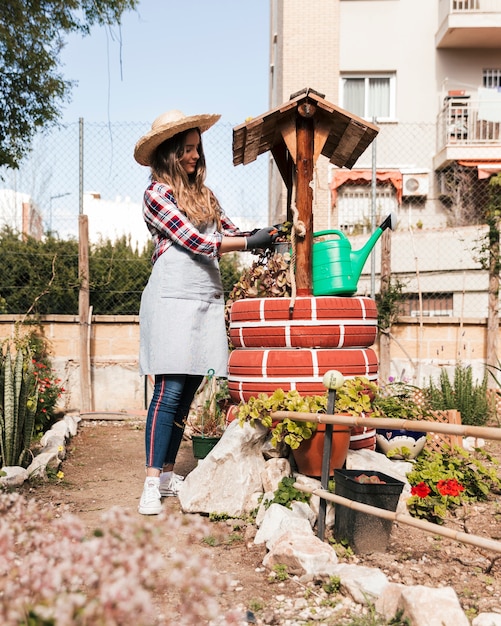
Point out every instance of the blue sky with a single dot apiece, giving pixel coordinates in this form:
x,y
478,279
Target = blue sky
x,y
202,56
207,56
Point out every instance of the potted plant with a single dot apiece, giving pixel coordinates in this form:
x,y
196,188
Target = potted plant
x,y
209,419
356,397
304,439
398,400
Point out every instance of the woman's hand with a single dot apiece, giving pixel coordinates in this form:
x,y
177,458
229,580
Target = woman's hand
x,y
262,239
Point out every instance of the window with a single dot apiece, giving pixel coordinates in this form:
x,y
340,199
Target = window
x,y
492,78
434,305
355,206
369,96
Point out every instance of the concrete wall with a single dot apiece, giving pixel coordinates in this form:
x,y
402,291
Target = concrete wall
x,y
113,343
419,349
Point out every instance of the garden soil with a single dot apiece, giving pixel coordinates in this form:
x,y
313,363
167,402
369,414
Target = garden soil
x,y
104,467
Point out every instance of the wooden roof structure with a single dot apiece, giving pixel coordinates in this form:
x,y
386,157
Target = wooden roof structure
x,y
297,133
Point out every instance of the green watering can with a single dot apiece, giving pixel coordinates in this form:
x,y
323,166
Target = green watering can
x,y
336,267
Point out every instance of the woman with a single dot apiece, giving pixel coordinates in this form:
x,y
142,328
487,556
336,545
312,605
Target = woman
x,y
182,328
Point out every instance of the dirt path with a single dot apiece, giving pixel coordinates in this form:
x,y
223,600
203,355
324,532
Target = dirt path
x,y
104,468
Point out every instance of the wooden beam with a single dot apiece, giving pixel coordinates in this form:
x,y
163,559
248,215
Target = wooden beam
x,y
83,312
304,201
252,141
322,131
283,162
287,129
349,140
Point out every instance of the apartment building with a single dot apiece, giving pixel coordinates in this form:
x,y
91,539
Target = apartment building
x,y
429,74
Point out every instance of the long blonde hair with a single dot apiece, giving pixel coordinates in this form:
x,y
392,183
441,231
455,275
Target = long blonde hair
x,y
193,197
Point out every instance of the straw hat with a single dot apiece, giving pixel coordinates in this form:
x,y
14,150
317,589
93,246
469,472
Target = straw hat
x,y
166,126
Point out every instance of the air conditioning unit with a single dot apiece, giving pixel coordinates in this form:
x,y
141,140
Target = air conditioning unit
x,y
415,185
444,184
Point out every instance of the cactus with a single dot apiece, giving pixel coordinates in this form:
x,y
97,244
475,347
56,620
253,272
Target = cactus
x,y
18,402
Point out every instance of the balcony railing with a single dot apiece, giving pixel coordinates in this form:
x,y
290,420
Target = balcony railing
x,y
469,122
468,24
467,6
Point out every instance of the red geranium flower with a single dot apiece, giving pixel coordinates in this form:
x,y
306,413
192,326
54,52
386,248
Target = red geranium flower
x,y
449,487
421,490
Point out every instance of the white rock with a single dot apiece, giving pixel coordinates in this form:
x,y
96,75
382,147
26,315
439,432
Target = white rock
x,y
422,606
364,584
274,470
470,443
229,476
72,423
279,520
51,441
487,619
14,476
302,553
60,428
38,466
313,483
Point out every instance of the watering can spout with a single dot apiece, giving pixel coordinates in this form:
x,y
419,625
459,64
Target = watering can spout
x,y
359,257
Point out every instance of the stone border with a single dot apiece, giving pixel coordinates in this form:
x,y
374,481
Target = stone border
x,y
51,453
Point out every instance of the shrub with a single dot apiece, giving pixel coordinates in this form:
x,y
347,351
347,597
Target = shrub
x,y
463,394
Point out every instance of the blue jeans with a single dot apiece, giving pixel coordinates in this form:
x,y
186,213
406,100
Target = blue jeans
x,y
167,413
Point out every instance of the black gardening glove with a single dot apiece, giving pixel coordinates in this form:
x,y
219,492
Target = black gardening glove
x,y
262,238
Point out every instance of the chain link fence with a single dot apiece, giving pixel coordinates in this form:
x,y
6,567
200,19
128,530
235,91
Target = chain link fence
x,y
436,251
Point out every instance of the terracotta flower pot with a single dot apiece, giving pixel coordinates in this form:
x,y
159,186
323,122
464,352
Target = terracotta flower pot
x,y
308,456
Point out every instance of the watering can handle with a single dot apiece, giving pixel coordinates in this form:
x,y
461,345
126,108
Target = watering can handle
x,y
339,233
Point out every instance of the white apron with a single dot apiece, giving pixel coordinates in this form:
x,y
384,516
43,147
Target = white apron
x,y
182,328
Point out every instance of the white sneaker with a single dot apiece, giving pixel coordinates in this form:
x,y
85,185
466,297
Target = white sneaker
x,y
150,503
170,487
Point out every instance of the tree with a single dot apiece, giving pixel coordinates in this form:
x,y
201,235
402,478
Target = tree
x,y
31,87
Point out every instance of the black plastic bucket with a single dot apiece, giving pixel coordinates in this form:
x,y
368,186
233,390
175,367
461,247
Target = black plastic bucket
x,y
362,531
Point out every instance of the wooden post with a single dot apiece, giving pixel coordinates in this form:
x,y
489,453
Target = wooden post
x,y
83,311
304,196
493,299
384,336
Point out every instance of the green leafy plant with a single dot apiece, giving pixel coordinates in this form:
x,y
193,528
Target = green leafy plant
x,y
400,453
48,384
286,493
442,481
289,431
357,396
397,400
49,391
389,303
464,394
332,586
280,573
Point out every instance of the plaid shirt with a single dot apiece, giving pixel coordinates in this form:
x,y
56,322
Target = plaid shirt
x,y
168,225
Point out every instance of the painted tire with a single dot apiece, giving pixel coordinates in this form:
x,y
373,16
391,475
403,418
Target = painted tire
x,y
254,371
317,322
363,438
